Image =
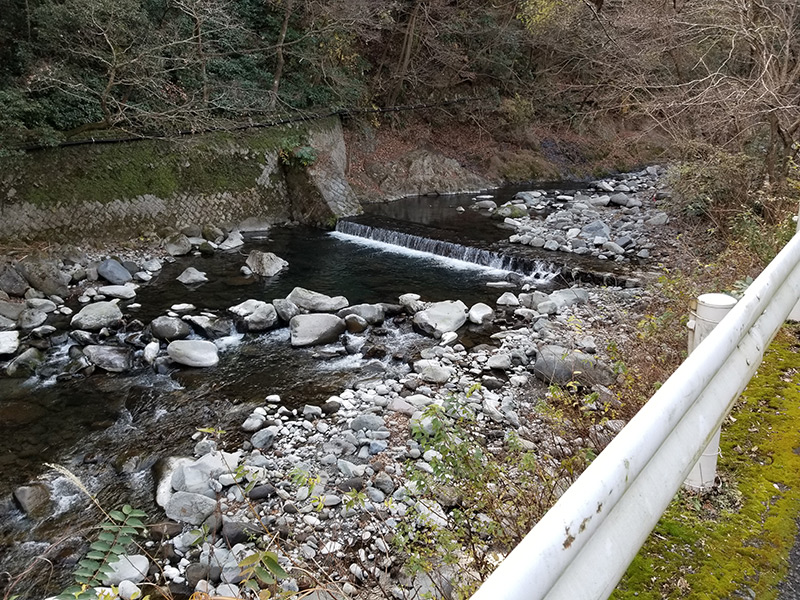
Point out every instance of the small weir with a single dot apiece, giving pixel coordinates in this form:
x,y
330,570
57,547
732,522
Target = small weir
x,y
533,268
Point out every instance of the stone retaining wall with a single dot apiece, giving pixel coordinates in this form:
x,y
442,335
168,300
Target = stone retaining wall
x,y
128,189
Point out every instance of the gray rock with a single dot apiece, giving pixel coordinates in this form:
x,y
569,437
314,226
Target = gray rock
x,y
569,297
42,304
265,264
556,364
368,422
384,483
178,245
211,328
112,271
153,265
255,315
596,228
441,317
192,276
150,352
501,360
169,328
311,330
123,292
355,324
484,205
551,245
109,358
11,282
614,248
656,221
9,342
433,371
187,507
234,240
316,302
33,500
193,353
31,318
25,364
374,314
11,310
94,317
620,199
507,299
45,276
263,439
285,309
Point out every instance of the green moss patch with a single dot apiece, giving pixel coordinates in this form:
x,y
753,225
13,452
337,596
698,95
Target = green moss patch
x,y
734,542
105,172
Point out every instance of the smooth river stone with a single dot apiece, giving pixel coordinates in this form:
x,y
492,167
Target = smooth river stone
x,y
193,353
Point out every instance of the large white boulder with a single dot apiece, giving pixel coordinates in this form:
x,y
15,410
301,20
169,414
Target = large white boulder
x,y
193,353
94,317
316,302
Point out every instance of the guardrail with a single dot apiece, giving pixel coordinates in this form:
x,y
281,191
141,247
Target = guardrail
x,y
581,548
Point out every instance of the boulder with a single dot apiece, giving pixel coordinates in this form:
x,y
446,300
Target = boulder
x,y
355,324
265,264
316,302
112,271
192,276
595,229
374,314
263,439
209,327
187,507
11,310
285,309
33,500
94,317
9,342
193,353
42,304
556,364
368,422
620,199
11,282
234,240
441,317
127,567
255,315
45,276
7,324
109,358
314,329
25,364
123,292
178,245
481,313
169,328
433,371
31,318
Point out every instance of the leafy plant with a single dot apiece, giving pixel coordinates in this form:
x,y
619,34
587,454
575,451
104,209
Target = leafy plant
x,y
116,535
261,569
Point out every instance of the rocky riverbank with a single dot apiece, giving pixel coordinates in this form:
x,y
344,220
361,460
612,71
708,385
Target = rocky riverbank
x,y
327,485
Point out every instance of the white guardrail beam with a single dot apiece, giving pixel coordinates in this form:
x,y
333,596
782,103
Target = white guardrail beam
x,y
581,548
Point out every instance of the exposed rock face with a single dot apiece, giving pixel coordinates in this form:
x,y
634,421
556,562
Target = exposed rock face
x,y
421,172
311,330
93,317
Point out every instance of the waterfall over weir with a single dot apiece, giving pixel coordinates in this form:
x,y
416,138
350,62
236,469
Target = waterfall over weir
x,y
533,268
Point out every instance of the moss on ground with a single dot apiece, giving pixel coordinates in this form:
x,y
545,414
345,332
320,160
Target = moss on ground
x,y
734,542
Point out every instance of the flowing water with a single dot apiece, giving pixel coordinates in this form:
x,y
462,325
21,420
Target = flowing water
x,y
111,429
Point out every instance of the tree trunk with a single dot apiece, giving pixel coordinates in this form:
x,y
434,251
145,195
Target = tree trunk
x,y
276,80
405,54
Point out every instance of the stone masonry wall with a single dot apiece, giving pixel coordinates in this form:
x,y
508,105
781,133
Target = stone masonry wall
x,y
127,189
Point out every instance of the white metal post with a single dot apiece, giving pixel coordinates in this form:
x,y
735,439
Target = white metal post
x,y
708,312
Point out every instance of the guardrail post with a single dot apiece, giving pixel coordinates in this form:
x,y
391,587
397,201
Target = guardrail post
x,y
706,312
